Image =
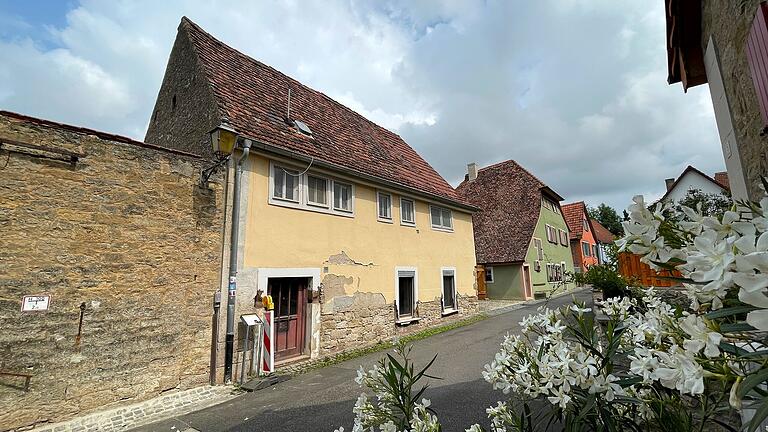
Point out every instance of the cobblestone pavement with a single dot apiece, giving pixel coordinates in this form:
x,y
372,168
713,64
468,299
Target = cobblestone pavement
x,y
138,414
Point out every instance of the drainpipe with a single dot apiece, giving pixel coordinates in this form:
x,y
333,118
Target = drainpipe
x,y
230,338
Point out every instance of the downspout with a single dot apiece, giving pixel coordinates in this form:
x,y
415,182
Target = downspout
x,y
230,338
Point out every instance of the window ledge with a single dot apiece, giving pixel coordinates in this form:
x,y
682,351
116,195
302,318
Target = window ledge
x,y
449,312
408,224
385,220
441,229
406,321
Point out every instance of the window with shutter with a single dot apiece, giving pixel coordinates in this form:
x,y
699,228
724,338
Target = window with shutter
x,y
757,57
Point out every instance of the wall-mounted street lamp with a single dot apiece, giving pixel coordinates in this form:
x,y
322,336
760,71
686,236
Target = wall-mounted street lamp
x,y
224,140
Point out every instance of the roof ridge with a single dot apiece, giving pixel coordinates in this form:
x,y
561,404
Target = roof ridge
x,y
497,164
198,28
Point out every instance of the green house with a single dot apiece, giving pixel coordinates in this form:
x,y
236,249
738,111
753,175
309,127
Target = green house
x,y
521,237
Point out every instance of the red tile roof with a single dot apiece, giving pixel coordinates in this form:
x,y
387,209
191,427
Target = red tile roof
x,y
601,233
510,201
574,214
722,178
254,98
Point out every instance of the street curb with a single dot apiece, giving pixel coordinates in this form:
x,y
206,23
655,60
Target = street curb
x,y
527,303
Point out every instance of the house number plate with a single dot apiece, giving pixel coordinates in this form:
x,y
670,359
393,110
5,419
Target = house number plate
x,y
35,303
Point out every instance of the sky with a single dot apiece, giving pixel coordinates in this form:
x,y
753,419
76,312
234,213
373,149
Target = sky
x,y
573,90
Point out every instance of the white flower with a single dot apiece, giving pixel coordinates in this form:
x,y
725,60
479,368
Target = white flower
x,y
678,370
474,428
559,398
733,398
643,364
606,385
701,336
758,319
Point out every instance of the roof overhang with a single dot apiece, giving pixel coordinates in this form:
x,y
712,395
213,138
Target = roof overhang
x,y
548,191
270,149
685,58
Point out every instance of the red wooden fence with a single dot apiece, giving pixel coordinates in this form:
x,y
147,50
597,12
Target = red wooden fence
x,y
631,268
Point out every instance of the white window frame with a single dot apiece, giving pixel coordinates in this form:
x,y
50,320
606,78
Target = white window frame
x,y
340,210
440,227
328,192
449,271
274,168
413,208
415,272
302,201
487,272
563,237
379,217
586,225
589,249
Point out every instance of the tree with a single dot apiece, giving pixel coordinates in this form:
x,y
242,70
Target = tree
x,y
711,204
607,217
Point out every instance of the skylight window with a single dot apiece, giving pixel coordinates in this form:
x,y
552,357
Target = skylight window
x,y
302,127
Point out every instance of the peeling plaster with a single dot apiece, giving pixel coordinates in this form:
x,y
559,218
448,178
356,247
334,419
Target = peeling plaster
x,y
344,259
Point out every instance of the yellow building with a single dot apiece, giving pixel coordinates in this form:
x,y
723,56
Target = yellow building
x,y
351,232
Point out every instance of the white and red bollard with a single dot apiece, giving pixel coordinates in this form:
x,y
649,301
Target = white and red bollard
x,y
268,353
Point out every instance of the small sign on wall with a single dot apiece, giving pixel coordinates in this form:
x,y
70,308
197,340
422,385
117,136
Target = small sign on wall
x,y
35,303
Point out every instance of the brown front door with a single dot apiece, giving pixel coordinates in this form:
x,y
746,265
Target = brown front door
x,y
527,281
289,296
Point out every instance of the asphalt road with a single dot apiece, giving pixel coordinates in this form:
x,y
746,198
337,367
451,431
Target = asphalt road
x,y
322,400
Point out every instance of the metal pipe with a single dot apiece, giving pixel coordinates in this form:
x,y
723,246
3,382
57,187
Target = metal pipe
x,y
232,291
215,335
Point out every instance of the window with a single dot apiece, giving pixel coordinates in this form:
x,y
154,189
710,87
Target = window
x,y
585,249
555,272
586,225
407,212
317,191
293,187
285,184
563,238
488,274
442,218
407,292
385,206
449,289
539,249
594,251
342,196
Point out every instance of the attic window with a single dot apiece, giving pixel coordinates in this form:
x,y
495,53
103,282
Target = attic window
x,y
302,127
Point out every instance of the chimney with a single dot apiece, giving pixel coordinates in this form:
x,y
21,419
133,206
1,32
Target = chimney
x,y
669,182
471,171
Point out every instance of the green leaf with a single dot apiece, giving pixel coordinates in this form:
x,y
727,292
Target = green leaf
x,y
752,381
735,310
736,327
760,415
626,382
733,349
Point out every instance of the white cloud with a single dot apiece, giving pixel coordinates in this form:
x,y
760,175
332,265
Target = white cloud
x,y
573,90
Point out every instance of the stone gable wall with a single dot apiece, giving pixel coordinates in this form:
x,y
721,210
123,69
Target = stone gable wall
x,y
125,232
729,23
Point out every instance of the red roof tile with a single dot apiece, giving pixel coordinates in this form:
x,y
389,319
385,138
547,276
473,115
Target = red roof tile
x,y
574,214
601,233
254,98
510,201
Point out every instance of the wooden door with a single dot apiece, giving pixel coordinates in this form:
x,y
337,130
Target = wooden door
x,y
527,281
290,298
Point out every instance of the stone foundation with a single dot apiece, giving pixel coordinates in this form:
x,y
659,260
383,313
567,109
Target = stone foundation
x,y
364,319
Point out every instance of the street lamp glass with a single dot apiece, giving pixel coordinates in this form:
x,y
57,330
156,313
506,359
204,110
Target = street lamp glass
x,y
223,140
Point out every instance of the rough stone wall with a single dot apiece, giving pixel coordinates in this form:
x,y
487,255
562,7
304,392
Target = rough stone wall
x,y
185,110
127,233
364,319
729,22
